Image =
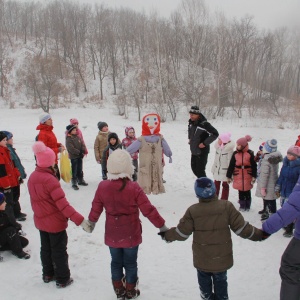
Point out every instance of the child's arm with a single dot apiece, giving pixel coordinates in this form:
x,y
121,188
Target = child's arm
x,y
231,166
134,147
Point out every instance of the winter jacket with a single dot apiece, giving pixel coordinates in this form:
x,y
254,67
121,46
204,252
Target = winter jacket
x,y
210,222
79,133
123,227
47,136
289,174
242,168
268,175
222,159
75,146
100,144
289,212
9,173
17,162
107,151
49,204
127,141
199,132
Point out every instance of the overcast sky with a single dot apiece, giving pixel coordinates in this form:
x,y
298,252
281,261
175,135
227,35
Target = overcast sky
x,y
268,14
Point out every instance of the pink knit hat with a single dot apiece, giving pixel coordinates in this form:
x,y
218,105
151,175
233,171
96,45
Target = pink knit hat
x,y
244,141
225,137
294,150
74,121
45,157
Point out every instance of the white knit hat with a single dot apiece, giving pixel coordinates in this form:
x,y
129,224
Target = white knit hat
x,y
119,165
44,117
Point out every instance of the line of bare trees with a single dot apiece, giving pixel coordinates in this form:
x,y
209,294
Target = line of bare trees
x,y
193,57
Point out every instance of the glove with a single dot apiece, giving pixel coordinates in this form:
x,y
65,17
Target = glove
x,y
229,180
164,228
265,235
263,192
81,155
20,180
86,226
253,180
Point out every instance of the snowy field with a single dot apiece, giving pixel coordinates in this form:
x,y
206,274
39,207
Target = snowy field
x,y
165,270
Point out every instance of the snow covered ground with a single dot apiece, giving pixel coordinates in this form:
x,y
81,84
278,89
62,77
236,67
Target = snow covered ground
x,y
165,270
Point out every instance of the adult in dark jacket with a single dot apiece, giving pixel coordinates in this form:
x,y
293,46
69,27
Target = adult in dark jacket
x,y
16,190
51,214
9,234
210,222
290,260
201,134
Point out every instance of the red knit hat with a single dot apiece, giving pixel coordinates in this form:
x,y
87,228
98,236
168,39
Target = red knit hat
x,y
244,141
151,124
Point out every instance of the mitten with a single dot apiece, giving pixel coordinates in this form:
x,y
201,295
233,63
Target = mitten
x,y
81,155
164,228
265,235
86,226
253,180
229,180
263,192
20,180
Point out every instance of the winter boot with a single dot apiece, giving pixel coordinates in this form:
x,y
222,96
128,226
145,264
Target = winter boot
x,y
82,182
264,209
21,255
74,185
132,291
242,205
65,284
119,288
289,230
248,204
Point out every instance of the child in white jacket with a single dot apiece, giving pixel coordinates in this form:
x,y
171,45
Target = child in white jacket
x,y
224,150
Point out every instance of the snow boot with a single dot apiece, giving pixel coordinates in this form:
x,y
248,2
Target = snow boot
x,y
264,209
119,288
82,182
132,291
242,205
65,284
21,255
74,185
289,230
48,279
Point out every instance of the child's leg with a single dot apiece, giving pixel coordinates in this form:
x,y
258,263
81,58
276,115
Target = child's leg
x,y
130,264
220,285
10,240
116,265
217,184
248,200
136,166
47,264
74,164
242,200
225,191
205,285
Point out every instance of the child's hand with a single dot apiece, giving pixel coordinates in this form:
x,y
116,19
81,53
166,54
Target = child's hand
x,y
263,192
229,180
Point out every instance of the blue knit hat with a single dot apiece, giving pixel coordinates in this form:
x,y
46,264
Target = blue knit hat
x,y
2,198
8,134
204,188
270,146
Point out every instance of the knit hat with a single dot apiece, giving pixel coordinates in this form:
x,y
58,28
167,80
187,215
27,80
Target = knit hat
x,y
44,117
127,130
204,188
261,146
45,156
8,134
151,124
2,198
119,165
294,150
195,110
270,146
2,135
244,141
225,137
101,125
112,135
71,127
74,121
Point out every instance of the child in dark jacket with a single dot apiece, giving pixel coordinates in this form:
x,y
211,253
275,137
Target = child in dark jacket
x,y
242,171
210,222
76,149
113,144
16,190
126,142
10,239
289,174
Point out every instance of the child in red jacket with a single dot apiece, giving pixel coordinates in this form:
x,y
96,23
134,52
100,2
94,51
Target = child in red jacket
x,y
123,200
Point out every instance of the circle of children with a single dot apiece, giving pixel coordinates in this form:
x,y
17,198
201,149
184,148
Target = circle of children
x,y
128,175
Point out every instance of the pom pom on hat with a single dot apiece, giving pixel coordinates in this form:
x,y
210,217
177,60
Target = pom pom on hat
x,y
2,198
204,188
225,137
101,125
270,146
44,117
71,127
294,150
195,110
119,165
45,156
244,141
74,121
